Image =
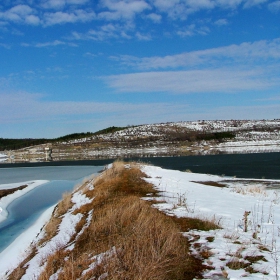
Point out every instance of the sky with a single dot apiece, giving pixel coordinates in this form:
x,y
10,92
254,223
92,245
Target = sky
x,y
69,66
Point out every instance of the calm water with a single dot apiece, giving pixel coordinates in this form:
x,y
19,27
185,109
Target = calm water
x,y
262,165
258,166
27,208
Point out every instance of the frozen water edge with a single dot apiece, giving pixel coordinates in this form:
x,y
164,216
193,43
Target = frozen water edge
x,y
15,252
6,200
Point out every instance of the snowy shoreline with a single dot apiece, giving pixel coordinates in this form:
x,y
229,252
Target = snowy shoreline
x,y
6,200
202,196
16,251
22,242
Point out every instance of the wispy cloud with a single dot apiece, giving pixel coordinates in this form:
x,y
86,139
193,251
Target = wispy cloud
x,y
28,107
6,46
255,52
122,9
68,17
193,81
252,3
60,4
48,44
192,30
221,22
104,32
274,6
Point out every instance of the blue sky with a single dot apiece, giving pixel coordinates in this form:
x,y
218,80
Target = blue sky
x,y
77,65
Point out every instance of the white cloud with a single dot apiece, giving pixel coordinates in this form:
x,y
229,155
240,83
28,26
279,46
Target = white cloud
x,y
108,31
25,107
125,9
20,14
68,17
142,37
221,22
6,46
33,20
193,81
154,17
247,52
192,30
48,44
274,6
59,4
180,9
72,11
252,3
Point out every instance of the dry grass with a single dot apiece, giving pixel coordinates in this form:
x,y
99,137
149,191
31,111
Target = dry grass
x,y
141,242
51,227
64,205
211,183
187,223
10,191
255,190
20,270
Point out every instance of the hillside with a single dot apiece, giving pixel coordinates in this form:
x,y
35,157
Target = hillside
x,y
164,139
142,222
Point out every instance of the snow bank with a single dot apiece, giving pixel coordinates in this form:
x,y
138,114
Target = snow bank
x,y
16,251
187,196
3,157
6,200
61,239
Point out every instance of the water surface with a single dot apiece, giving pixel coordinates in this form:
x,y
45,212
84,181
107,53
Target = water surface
x,y
26,209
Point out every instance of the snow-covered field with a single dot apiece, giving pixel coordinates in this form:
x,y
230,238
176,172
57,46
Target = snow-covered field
x,y
185,194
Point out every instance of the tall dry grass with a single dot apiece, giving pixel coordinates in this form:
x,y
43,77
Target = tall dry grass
x,y
132,239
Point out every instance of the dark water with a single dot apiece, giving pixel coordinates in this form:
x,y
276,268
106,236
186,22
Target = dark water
x,y
261,165
258,166
26,209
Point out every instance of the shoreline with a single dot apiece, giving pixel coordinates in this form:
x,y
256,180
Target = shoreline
x,y
19,247
157,150
7,200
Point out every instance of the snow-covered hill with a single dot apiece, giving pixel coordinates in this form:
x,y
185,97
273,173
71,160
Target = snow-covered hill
x,y
166,139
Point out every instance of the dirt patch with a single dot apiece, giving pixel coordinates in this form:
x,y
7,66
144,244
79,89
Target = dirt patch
x,y
10,191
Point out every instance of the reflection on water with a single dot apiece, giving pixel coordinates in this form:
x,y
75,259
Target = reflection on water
x,y
27,208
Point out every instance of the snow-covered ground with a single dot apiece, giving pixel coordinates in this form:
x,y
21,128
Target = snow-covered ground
x,y
15,252
3,157
185,194
267,129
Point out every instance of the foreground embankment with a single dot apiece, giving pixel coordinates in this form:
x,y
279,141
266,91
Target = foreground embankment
x,y
135,221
